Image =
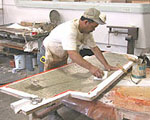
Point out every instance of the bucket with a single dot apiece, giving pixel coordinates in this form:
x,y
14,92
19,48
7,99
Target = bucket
x,y
139,71
19,61
34,62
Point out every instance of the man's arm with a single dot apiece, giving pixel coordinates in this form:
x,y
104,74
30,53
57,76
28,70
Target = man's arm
x,y
77,58
97,52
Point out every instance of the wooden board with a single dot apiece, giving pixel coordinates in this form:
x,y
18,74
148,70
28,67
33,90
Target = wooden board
x,y
135,98
11,44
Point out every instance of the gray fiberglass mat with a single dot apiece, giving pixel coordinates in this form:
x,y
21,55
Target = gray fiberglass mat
x,y
70,77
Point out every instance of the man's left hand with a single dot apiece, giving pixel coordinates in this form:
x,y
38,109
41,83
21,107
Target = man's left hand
x,y
111,68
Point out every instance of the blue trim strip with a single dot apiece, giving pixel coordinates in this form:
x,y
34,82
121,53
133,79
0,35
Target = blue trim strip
x,y
139,77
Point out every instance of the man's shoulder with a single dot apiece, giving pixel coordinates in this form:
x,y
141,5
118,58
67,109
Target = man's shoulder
x,y
69,25
74,22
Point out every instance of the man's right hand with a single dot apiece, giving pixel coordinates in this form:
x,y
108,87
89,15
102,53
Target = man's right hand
x,y
77,58
96,72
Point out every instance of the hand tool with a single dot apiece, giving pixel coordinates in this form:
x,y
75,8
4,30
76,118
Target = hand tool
x,y
42,59
34,100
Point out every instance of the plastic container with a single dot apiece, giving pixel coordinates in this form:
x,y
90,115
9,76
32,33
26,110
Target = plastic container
x,y
19,61
34,62
139,71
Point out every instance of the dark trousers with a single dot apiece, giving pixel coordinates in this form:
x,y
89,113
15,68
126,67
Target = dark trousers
x,y
39,55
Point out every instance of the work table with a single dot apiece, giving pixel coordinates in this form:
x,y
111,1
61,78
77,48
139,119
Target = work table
x,y
16,35
74,87
125,101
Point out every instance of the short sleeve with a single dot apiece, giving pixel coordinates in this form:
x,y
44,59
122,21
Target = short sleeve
x,y
89,40
69,41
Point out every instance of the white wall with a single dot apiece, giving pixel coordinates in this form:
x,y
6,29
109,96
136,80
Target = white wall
x,y
1,20
0,4
13,14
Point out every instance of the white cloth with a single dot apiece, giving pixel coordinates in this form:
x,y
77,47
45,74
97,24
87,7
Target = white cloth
x,y
30,46
69,37
17,26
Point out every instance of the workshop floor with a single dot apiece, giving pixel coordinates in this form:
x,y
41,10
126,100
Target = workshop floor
x,y
6,76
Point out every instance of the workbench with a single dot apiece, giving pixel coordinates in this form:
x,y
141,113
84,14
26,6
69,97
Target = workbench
x,y
74,87
16,38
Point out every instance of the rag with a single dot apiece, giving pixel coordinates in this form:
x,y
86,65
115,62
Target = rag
x,y
104,76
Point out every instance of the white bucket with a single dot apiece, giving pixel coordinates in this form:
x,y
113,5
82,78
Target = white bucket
x,y
34,61
139,71
19,61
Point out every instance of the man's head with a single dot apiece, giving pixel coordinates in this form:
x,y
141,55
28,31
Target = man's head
x,y
95,15
90,20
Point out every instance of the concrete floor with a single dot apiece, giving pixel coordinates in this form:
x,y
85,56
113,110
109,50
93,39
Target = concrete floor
x,y
6,113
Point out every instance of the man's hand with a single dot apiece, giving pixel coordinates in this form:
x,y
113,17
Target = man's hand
x,y
101,58
96,72
111,68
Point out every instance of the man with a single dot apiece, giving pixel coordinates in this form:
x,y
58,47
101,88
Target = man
x,y
65,40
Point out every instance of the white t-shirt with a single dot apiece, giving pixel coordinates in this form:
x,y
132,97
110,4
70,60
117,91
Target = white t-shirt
x,y
68,36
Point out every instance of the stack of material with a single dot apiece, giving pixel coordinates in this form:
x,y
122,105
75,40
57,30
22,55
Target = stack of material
x,y
140,1
108,1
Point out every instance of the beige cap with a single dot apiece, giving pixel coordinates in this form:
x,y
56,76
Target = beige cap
x,y
95,15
